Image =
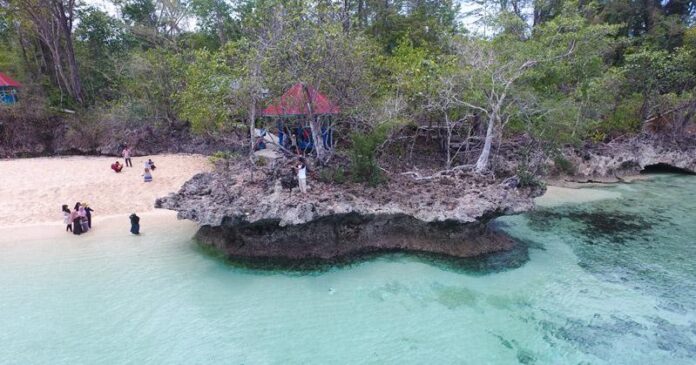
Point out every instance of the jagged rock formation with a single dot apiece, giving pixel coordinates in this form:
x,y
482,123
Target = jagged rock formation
x,y
245,217
611,161
56,136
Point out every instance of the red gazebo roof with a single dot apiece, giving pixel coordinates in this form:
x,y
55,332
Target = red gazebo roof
x,y
6,81
294,102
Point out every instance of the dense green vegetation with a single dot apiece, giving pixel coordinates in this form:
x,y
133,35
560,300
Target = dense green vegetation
x,y
559,70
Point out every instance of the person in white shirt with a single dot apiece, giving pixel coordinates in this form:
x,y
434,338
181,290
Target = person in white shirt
x,y
127,156
302,176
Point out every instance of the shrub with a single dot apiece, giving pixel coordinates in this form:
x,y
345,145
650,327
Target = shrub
x,y
364,146
261,161
527,177
220,156
564,165
335,176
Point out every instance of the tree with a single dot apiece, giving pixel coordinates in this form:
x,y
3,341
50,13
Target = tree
x,y
52,23
101,46
208,87
492,71
215,19
155,22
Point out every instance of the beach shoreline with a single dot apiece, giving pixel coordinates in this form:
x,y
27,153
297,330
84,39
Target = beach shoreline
x,y
33,189
110,226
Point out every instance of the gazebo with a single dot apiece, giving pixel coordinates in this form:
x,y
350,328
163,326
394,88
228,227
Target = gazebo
x,y
295,109
8,89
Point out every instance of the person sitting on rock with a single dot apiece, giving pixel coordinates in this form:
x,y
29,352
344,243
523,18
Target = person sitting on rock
x,y
116,166
260,144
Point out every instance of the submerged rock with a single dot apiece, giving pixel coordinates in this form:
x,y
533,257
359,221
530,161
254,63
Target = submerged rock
x,y
246,214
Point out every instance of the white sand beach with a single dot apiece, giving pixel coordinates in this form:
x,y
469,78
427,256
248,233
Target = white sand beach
x,y
556,195
33,190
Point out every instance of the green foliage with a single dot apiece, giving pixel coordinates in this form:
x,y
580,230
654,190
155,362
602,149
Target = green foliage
x,y
625,119
202,100
221,156
101,45
528,178
564,165
261,161
215,21
598,69
363,151
149,84
333,175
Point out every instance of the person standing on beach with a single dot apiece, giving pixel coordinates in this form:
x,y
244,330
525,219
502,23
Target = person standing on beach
x,y
127,156
67,218
135,224
88,212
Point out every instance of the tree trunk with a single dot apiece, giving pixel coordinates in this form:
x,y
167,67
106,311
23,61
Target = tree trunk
x,y
346,16
252,125
220,27
361,14
482,163
66,26
75,81
448,163
315,127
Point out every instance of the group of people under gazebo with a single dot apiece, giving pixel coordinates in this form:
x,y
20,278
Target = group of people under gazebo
x,y
295,109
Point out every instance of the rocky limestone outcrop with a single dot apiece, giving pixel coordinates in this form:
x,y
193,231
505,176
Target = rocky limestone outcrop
x,y
248,215
56,136
611,161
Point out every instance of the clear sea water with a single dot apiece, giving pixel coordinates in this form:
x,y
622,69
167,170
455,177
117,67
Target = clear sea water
x,y
605,282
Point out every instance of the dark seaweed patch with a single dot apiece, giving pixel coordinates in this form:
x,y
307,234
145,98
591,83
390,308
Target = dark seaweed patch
x,y
614,225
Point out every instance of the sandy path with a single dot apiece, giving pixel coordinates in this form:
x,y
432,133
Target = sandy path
x,y
33,190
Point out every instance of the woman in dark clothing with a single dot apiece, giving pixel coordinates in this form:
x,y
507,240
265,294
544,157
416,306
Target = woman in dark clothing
x,y
77,226
135,224
89,215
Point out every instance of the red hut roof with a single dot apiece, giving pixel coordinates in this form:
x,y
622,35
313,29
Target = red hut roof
x,y
6,81
294,102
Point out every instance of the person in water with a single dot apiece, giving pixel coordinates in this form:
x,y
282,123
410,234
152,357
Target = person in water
x,y
147,176
83,218
77,227
67,218
88,212
116,166
135,224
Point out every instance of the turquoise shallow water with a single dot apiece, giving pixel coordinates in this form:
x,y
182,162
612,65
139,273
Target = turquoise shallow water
x,y
606,282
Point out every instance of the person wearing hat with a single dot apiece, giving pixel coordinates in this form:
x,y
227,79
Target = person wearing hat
x,y
88,213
